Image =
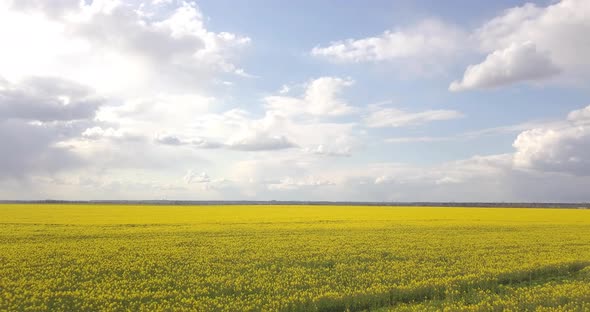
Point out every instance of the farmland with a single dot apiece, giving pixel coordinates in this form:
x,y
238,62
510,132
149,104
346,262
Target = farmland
x,y
292,258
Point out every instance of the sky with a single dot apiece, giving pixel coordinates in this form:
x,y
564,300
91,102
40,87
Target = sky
x,y
295,100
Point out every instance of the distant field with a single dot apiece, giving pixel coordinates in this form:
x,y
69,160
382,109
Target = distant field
x,y
292,258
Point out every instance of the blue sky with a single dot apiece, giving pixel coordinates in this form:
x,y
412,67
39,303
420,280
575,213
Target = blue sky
x,y
295,100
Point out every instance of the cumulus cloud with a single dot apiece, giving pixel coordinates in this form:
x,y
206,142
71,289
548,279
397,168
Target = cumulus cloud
x,y
38,153
35,116
518,62
204,143
99,133
47,99
259,141
136,101
151,61
286,126
393,117
169,140
289,183
319,99
264,170
196,177
417,139
238,129
523,44
447,180
544,27
243,131
479,178
580,116
159,115
284,89
530,43
428,42
336,150
469,135
563,147
119,47
172,140
476,167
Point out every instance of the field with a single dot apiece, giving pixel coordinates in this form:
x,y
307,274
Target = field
x,y
292,258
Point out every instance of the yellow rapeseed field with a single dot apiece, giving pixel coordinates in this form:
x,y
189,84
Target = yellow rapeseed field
x,y
292,258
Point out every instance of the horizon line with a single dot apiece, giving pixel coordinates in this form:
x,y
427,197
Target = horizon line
x,y
311,202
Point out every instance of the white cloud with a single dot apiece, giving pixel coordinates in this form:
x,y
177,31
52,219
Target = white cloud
x,y
159,115
476,167
195,177
289,183
240,130
393,117
35,116
162,2
112,47
146,78
264,170
425,48
259,141
151,67
253,134
518,62
169,140
98,133
479,178
469,135
320,99
203,143
416,139
47,99
54,8
545,27
284,89
447,180
337,150
285,126
580,116
526,43
561,148
429,38
529,43
172,140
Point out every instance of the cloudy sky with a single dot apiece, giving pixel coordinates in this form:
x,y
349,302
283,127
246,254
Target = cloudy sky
x,y
295,100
